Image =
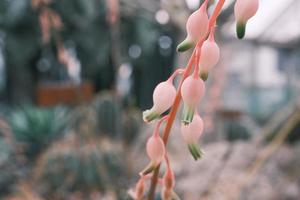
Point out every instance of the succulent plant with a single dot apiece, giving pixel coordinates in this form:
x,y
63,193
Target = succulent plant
x,y
82,163
37,127
108,114
8,162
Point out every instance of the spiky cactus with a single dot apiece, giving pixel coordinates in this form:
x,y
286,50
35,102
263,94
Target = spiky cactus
x,y
37,127
108,114
8,162
83,163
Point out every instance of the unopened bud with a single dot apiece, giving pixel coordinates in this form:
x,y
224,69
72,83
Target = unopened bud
x,y
163,98
244,10
196,27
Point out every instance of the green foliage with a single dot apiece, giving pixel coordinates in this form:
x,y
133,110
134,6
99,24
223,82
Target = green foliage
x,y
37,127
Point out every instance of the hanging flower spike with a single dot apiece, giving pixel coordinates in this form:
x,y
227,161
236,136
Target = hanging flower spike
x,y
191,134
196,27
138,192
192,90
210,55
244,10
163,98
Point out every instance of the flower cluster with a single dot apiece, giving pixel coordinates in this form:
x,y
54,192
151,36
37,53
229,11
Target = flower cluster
x,y
200,35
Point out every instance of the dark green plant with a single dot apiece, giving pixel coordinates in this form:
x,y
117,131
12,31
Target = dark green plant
x,y
38,127
8,162
131,123
83,165
108,113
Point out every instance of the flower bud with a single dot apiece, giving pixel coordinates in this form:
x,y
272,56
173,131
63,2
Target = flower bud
x,y
156,150
244,10
210,54
168,179
166,194
196,27
191,134
192,90
139,190
163,97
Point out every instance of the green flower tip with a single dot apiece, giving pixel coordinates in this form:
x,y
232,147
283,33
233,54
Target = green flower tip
x,y
187,115
204,76
149,168
184,46
240,29
195,151
149,115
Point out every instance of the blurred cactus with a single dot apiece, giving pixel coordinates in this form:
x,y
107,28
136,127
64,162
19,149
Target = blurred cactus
x,y
37,127
25,192
81,164
108,114
8,167
131,124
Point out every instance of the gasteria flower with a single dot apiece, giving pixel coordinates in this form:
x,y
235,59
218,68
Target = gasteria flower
x,y
163,98
196,27
191,134
244,10
168,183
156,150
138,192
192,90
210,54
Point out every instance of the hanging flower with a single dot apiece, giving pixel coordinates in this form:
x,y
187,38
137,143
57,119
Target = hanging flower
x,y
192,90
196,27
138,192
210,54
244,10
191,134
163,98
155,150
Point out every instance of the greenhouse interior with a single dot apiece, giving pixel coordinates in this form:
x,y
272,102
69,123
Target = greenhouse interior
x,y
149,99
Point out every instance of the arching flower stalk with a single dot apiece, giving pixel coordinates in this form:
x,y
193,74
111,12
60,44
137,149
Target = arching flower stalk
x,y
200,33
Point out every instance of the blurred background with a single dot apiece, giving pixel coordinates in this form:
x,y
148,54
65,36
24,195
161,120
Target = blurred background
x,y
76,75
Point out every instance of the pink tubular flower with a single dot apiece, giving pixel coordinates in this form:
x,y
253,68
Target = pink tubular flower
x,y
163,98
196,27
138,192
168,183
192,90
191,134
156,150
210,55
244,10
